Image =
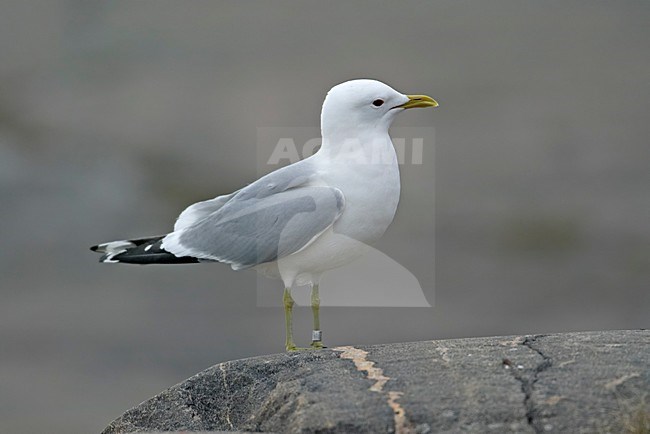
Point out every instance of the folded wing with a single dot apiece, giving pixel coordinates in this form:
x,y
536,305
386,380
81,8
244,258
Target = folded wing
x,y
200,210
251,229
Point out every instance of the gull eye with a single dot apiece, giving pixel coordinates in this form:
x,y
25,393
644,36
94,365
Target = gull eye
x,y
378,102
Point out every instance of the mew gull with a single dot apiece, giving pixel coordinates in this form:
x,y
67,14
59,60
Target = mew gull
x,y
303,219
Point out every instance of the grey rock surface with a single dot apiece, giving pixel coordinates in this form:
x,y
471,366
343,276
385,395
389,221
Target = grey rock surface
x,y
571,382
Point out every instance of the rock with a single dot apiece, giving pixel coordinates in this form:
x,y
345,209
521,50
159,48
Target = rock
x,y
570,382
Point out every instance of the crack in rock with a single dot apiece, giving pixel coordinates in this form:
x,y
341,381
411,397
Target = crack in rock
x,y
191,407
528,381
401,424
226,387
444,354
361,362
612,385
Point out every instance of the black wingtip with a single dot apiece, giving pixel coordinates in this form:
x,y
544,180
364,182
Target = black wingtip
x,y
94,248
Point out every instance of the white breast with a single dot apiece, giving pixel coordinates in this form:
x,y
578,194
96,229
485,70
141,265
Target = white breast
x,y
371,190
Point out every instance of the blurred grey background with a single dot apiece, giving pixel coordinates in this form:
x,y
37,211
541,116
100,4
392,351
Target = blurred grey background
x,y
116,115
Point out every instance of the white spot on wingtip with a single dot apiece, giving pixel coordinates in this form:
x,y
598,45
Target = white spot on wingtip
x,y
115,247
146,249
109,258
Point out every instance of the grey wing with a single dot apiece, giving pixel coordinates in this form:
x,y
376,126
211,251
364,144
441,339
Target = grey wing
x,y
251,231
200,210
282,179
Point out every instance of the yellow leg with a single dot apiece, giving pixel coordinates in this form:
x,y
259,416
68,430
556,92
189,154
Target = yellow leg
x,y
288,322
316,335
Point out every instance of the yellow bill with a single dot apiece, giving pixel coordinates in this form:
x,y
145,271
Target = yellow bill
x,y
416,101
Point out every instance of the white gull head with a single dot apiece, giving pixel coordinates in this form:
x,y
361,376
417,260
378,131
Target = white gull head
x,y
357,107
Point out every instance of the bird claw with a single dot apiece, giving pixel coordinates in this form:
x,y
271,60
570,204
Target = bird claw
x,y
317,345
314,346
